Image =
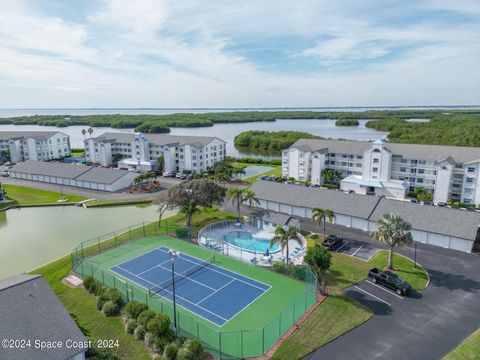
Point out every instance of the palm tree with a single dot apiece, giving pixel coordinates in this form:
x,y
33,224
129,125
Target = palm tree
x,y
321,215
250,197
90,131
393,231
282,237
189,209
84,133
236,195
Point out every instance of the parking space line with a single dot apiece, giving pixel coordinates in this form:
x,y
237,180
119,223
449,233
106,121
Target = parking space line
x,y
346,242
386,290
357,250
376,297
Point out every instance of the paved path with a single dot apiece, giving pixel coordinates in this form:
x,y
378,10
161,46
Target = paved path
x,y
427,325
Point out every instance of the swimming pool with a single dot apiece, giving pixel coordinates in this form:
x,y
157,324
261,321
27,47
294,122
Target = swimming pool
x,y
246,241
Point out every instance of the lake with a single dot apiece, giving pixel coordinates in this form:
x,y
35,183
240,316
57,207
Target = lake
x,y
31,237
227,132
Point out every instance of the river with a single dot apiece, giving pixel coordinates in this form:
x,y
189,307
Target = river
x,y
227,132
30,237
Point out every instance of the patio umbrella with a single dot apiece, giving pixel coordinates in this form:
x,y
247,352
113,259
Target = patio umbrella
x,y
267,253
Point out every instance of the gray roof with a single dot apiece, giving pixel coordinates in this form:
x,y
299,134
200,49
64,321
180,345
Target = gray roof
x,y
103,175
70,171
445,221
341,203
440,220
30,310
278,218
158,139
460,154
40,135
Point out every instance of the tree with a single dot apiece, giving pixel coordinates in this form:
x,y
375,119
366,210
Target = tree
x,y
236,196
189,209
331,176
84,133
319,260
90,131
139,179
321,215
237,171
393,231
282,237
163,205
422,195
116,158
250,197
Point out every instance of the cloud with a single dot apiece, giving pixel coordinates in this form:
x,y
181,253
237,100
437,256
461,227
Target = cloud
x,y
189,54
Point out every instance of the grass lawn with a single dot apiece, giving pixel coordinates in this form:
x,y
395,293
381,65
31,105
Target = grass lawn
x,y
203,218
78,153
115,201
334,317
468,350
83,305
339,314
28,196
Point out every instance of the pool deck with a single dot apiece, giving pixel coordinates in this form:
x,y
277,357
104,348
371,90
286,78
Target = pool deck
x,y
214,238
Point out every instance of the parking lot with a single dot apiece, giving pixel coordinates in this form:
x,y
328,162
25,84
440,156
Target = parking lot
x,y
361,251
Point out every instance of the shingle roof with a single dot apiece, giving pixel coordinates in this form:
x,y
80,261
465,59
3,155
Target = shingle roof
x,y
460,154
339,202
70,171
452,222
102,175
40,135
30,310
445,221
157,139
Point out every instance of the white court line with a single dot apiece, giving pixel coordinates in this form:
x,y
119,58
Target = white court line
x,y
366,292
231,277
172,294
213,293
382,288
186,277
356,250
153,267
340,248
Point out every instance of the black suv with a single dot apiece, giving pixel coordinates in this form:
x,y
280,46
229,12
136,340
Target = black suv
x,y
333,242
390,280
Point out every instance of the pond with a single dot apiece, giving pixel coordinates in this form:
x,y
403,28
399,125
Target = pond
x,y
30,237
253,170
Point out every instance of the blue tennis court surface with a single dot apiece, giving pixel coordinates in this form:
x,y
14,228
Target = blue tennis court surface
x,y
211,292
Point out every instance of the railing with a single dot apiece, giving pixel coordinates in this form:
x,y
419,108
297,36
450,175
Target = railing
x,y
237,344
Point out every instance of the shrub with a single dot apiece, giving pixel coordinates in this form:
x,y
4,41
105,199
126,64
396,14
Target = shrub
x,y
192,350
183,354
182,233
115,296
139,332
130,326
158,344
279,267
145,316
170,352
297,271
109,308
94,353
159,325
101,300
275,162
134,308
92,286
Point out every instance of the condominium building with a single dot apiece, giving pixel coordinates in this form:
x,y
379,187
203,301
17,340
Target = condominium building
x,y
388,169
138,151
35,145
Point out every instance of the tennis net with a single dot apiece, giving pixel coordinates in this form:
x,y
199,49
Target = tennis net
x,y
187,273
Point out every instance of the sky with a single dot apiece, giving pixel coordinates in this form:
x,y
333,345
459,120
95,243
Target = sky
x,y
248,53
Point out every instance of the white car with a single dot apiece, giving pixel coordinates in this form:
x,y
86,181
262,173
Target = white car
x,y
167,174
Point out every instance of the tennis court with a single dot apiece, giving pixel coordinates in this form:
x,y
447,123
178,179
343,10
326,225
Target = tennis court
x,y
212,292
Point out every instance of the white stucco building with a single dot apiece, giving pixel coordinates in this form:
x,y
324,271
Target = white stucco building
x,y
35,145
140,151
389,169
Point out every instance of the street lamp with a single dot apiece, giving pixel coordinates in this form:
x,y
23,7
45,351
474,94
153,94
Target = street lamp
x,y
189,192
173,255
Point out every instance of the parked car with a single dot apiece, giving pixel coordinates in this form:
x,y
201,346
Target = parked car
x,y
442,204
333,242
390,280
470,208
178,175
5,173
414,200
167,174
348,191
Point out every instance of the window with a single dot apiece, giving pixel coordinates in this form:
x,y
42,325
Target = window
x,y
469,180
376,150
420,180
375,161
375,169
421,171
402,169
471,169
